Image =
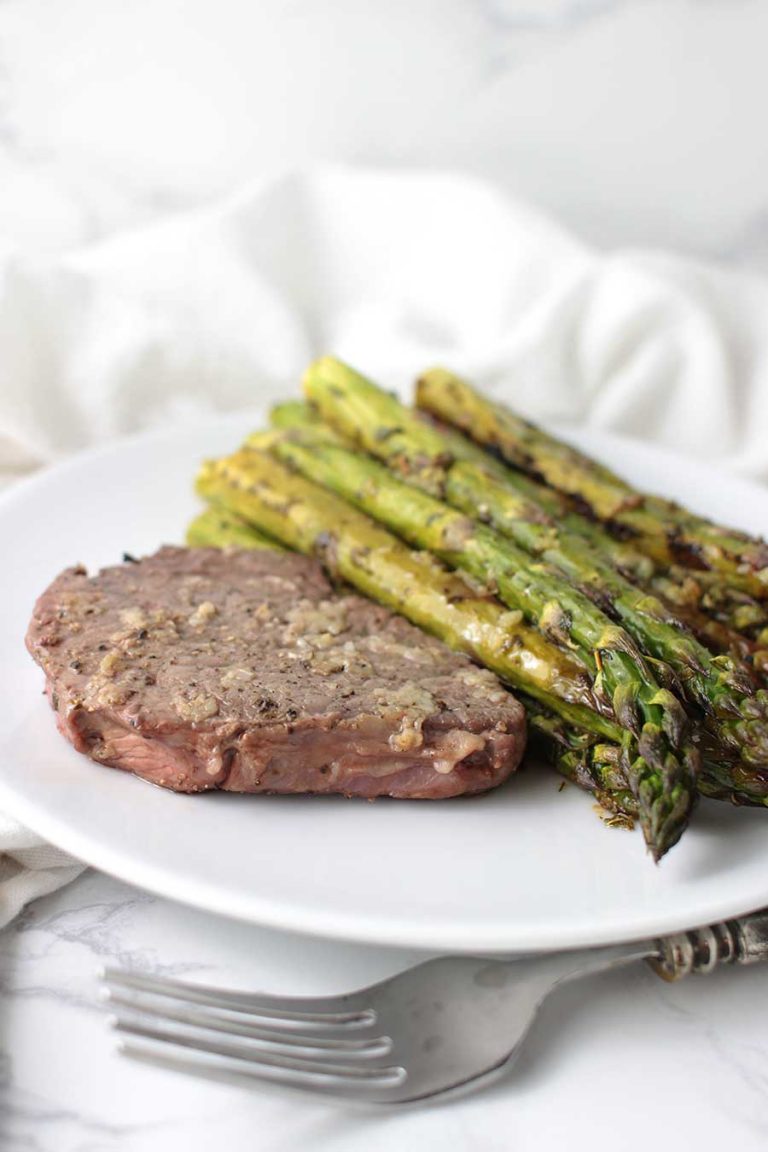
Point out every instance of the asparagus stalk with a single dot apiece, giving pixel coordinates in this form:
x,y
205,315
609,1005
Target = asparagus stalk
x,y
732,607
663,529
661,756
596,766
723,618
293,414
712,633
305,517
707,591
731,610
721,613
217,528
737,711
583,759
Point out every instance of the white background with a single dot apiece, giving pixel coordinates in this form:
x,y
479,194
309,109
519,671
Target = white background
x,y
635,121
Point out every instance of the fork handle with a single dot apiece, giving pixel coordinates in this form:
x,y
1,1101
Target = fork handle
x,y
740,941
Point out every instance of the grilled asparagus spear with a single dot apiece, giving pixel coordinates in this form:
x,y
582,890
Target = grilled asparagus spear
x,y
596,766
294,414
706,593
663,529
737,711
582,758
217,528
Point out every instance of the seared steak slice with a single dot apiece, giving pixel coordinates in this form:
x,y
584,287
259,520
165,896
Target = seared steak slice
x,y
199,669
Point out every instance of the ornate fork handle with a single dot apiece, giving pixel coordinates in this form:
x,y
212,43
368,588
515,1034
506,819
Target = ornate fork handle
x,y
740,941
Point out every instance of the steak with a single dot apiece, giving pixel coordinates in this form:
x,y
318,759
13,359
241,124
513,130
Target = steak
x,y
246,671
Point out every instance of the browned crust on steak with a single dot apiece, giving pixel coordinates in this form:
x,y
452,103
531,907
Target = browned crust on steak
x,y
245,671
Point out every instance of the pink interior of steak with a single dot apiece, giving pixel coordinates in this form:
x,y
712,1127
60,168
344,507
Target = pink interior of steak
x,y
340,759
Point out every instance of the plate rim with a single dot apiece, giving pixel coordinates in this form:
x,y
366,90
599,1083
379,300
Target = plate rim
x,y
371,930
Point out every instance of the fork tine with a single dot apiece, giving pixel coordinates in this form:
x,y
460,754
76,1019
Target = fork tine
x,y
290,1010
234,1072
297,1068
335,1041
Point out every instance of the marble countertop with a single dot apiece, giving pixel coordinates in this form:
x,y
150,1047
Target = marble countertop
x,y
637,122
613,1061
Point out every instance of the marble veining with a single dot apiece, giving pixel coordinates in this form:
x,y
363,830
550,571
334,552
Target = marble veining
x,y
696,1048
561,16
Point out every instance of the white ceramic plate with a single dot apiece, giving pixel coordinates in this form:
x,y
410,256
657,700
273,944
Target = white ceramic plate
x,y
527,867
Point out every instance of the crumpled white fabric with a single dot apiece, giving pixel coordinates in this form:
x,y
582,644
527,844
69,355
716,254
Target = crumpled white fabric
x,y
29,868
222,308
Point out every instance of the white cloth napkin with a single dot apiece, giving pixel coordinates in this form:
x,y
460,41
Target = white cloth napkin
x,y
29,868
221,308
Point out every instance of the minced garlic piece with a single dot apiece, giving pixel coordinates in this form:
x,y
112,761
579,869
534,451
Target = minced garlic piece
x,y
109,664
313,622
203,613
134,617
409,697
409,737
482,679
200,707
234,676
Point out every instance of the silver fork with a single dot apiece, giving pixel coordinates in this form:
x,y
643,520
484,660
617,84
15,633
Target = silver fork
x,y
442,1027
